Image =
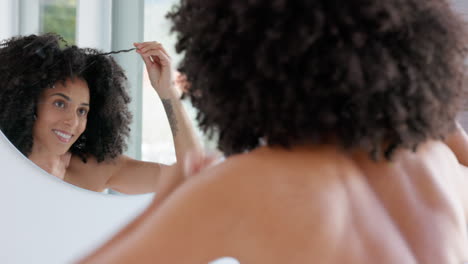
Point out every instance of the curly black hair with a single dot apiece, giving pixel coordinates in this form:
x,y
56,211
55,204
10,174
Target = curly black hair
x,y
360,73
31,64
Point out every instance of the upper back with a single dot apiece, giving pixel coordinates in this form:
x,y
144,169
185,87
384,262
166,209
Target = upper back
x,y
321,205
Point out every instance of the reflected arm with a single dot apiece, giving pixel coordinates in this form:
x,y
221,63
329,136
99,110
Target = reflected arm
x,y
158,66
123,174
132,176
183,133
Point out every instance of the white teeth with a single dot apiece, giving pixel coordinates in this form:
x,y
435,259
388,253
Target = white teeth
x,y
65,136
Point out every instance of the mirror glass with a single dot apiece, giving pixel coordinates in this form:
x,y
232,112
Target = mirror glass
x,y
157,147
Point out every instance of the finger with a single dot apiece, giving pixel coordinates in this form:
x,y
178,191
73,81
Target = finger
x,y
147,61
140,46
150,62
150,50
144,47
165,52
161,57
152,54
148,45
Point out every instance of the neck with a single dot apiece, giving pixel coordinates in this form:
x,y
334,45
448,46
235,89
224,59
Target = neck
x,y
52,163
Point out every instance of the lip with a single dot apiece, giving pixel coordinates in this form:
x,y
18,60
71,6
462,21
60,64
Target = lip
x,y
62,136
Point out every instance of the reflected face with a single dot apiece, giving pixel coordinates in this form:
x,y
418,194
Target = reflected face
x,y
61,116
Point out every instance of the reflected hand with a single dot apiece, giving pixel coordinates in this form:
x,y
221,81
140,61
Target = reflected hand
x,y
158,65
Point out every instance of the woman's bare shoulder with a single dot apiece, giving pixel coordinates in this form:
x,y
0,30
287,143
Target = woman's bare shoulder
x,y
89,174
249,197
247,182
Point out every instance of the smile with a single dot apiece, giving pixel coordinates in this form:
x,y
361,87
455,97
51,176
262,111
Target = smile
x,y
62,136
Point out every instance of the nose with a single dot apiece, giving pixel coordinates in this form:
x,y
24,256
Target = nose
x,y
71,119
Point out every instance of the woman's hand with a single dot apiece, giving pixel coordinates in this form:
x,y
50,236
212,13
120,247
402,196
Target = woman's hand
x,y
195,162
175,175
457,141
158,65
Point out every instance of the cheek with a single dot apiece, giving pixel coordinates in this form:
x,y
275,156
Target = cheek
x,y
47,117
83,126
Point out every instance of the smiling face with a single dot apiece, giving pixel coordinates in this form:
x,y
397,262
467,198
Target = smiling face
x,y
61,116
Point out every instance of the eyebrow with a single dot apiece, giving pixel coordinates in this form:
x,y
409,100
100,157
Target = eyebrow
x,y
67,98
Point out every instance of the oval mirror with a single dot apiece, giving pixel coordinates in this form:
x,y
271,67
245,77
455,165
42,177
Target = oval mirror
x,y
68,109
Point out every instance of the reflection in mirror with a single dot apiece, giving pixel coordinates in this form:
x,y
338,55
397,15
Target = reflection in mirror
x,y
66,109
156,133
58,16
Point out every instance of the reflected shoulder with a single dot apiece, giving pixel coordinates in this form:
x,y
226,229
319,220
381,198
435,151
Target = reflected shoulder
x,y
91,175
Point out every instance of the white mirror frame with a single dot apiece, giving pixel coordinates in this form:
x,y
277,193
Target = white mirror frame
x,y
46,220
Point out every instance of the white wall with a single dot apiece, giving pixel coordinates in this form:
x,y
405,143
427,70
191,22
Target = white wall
x,y
94,24
127,28
8,18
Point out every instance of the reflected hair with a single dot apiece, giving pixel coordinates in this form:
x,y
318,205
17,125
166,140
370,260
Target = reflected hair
x,y
34,63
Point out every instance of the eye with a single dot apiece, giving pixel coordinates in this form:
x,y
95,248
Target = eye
x,y
59,103
82,111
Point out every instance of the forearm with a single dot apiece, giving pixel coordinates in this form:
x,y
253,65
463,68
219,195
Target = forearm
x,y
158,65
183,132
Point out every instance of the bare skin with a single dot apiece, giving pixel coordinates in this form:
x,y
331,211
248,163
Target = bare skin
x,y
123,173
312,204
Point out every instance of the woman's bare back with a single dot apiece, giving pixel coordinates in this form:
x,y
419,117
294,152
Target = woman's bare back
x,y
307,205
319,205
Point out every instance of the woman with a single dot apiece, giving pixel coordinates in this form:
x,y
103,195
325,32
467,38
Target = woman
x,y
66,109
334,113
